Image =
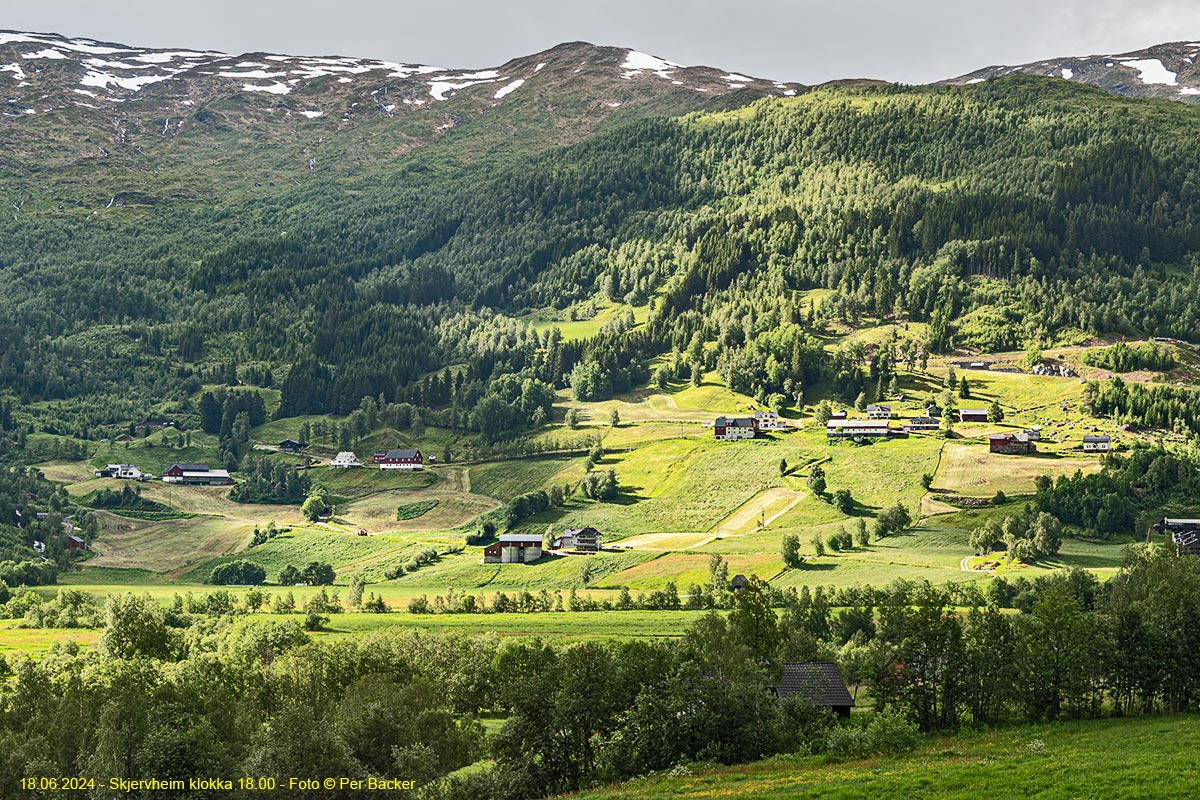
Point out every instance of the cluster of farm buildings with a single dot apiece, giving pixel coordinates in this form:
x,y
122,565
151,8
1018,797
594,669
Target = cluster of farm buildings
x,y
877,424
522,548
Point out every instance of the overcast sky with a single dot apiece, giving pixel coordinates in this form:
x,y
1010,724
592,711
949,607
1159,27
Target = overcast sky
x,y
799,40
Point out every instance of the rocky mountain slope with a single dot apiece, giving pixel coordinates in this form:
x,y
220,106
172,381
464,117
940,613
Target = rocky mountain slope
x,y
84,122
1165,71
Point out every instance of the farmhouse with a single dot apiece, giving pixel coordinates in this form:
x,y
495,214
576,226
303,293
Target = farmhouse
x,y
513,548
1097,444
973,415
584,540
726,429
1011,444
290,445
196,475
769,421
122,471
408,460
879,412
818,682
1185,534
345,460
856,428
922,424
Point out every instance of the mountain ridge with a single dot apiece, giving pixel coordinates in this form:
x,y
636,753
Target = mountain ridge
x,y
110,73
1167,71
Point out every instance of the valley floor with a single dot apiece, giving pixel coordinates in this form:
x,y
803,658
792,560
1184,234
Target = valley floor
x,y
684,498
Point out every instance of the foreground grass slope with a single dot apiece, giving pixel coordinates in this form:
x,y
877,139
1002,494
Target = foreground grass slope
x,y
1150,757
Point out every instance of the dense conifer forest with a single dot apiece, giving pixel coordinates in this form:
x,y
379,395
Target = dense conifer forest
x,y
1005,213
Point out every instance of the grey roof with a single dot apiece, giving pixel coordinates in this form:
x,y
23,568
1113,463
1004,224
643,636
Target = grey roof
x,y
735,422
190,467
819,682
1097,439
401,454
738,581
208,473
857,423
520,537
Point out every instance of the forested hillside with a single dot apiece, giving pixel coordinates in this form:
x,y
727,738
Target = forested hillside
x,y
1003,213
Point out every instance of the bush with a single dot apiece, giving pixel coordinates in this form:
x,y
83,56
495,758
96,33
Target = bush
x,y
374,605
318,574
313,507
244,573
486,534
887,732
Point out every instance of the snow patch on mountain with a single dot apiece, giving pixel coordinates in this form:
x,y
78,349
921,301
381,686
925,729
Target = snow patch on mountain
x,y
510,88
1068,73
49,53
1152,71
272,88
257,74
133,83
440,90
636,63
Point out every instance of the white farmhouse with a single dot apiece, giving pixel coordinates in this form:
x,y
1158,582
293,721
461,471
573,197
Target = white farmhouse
x,y
345,460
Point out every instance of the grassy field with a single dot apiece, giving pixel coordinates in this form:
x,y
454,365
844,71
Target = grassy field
x,y
1147,757
967,468
350,554
360,482
563,627
559,627
376,513
504,480
153,455
23,641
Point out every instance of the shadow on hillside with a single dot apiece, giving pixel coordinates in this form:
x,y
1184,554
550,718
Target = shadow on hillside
x,y
1084,561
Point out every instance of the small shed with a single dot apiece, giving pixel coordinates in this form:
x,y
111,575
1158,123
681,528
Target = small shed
x,y
818,682
738,583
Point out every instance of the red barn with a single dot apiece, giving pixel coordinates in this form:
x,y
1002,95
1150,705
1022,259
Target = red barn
x,y
410,460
